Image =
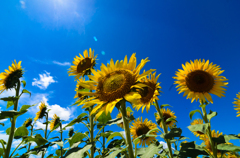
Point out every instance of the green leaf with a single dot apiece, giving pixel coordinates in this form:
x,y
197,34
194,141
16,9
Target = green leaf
x,y
190,149
199,127
79,119
2,124
114,153
1,152
24,83
228,147
171,119
38,139
193,112
219,139
165,105
8,130
25,107
59,143
26,91
77,152
9,104
104,118
9,99
211,115
115,134
129,109
23,147
77,137
174,132
20,132
151,150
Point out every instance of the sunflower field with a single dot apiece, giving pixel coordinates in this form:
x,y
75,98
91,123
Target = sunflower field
x,y
114,86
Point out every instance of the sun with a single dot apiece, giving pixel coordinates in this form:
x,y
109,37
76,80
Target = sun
x,y
112,84
198,79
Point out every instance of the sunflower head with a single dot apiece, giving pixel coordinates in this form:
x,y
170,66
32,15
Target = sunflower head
x,y
166,115
112,84
54,122
28,122
140,128
148,93
237,104
42,111
78,95
119,115
198,133
9,78
82,65
198,79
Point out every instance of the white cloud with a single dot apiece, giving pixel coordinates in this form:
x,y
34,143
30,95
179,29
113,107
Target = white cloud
x,y
3,120
44,81
62,64
23,4
16,143
3,136
55,146
63,113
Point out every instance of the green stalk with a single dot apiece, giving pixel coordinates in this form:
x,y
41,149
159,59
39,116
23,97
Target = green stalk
x,y
126,128
91,132
29,145
43,153
13,122
164,129
103,142
209,132
61,138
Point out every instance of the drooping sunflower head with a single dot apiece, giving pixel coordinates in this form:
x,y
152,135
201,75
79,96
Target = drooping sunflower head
x,y
78,95
207,142
54,121
198,79
167,114
140,128
198,133
70,132
113,84
28,122
237,104
42,111
148,93
119,115
9,78
82,65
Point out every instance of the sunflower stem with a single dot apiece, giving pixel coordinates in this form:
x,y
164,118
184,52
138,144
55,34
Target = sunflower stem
x,y
209,132
29,145
91,131
103,150
61,138
164,129
45,132
126,128
13,122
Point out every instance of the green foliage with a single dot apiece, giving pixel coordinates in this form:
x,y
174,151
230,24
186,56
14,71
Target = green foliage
x,y
174,132
193,112
150,151
79,119
115,134
38,139
77,138
26,91
24,83
199,127
211,115
20,132
77,152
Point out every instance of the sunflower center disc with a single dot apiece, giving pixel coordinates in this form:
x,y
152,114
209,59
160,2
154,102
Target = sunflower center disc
x,y
115,85
143,129
199,81
83,65
166,116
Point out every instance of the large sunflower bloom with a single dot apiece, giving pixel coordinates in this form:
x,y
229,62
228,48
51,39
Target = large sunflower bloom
x,y
237,104
166,115
148,94
139,128
198,79
54,121
83,65
9,78
119,115
112,84
197,133
41,112
207,142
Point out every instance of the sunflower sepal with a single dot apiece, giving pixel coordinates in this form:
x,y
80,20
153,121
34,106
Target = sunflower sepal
x,y
24,83
25,91
193,112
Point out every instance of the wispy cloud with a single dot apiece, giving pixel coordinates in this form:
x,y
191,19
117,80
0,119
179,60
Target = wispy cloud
x,y
3,136
23,4
62,64
44,81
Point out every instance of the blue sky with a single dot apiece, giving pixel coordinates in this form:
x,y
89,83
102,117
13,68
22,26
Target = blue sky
x,y
47,34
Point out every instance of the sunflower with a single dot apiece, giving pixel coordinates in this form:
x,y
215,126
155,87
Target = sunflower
x,y
198,79
28,122
198,133
119,115
237,103
149,93
112,84
166,115
54,122
78,95
207,142
9,78
83,65
231,155
140,128
41,112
